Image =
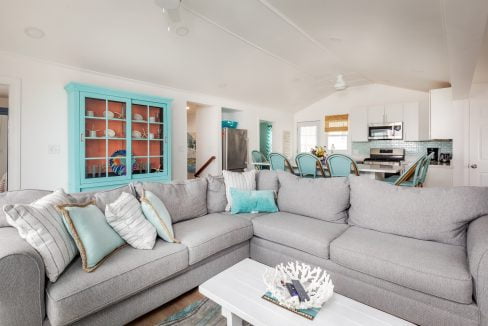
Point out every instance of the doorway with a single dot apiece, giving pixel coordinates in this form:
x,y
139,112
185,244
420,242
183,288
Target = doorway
x,y
4,103
265,137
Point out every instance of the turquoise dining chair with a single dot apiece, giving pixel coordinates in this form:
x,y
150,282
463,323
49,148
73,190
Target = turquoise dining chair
x,y
340,165
258,157
279,162
309,166
425,169
411,176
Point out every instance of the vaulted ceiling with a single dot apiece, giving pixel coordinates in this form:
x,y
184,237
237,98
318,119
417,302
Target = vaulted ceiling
x,y
283,54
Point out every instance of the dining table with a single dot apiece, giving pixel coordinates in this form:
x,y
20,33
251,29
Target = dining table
x,y
372,171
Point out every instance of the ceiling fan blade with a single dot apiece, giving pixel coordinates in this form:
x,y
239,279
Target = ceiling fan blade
x,y
168,4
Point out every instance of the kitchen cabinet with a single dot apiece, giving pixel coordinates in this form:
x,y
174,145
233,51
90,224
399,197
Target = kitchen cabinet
x,y
393,112
116,137
376,114
443,116
358,124
411,121
439,176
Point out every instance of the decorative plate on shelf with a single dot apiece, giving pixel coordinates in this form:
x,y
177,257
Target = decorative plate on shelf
x,y
137,134
138,117
118,162
108,114
109,133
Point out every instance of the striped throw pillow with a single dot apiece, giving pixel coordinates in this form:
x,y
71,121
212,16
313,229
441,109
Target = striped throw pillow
x,y
41,225
240,181
126,218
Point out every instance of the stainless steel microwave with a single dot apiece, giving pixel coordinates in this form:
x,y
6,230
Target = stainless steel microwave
x,y
389,131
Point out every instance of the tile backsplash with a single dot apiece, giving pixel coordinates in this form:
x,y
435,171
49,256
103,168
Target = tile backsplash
x,y
411,147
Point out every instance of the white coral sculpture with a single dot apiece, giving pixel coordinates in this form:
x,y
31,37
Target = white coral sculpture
x,y
315,281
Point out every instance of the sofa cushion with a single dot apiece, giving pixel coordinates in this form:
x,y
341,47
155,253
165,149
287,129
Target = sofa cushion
x,y
267,180
26,196
216,198
430,267
209,234
77,294
323,198
184,200
437,214
307,234
102,197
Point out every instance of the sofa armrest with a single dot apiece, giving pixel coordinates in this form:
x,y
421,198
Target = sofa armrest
x,y
21,281
477,247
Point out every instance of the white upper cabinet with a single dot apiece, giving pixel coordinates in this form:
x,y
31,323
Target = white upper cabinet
x,y
442,114
376,114
394,112
411,121
358,124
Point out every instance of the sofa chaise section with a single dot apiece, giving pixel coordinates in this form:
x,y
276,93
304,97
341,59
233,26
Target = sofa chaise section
x,y
431,267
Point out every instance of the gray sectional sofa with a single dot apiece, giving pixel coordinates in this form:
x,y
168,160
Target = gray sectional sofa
x,y
434,274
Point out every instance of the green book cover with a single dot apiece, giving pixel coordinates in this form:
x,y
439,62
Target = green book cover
x,y
307,313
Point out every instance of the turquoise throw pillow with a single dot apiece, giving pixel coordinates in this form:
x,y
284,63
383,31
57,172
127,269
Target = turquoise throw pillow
x,y
93,236
252,201
156,213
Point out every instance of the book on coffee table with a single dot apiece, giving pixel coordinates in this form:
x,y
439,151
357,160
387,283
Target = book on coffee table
x,y
307,313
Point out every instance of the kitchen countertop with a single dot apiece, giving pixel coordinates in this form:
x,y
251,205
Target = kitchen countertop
x,y
377,168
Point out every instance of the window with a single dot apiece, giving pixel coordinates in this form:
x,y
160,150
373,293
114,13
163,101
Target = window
x,y
308,134
336,127
337,140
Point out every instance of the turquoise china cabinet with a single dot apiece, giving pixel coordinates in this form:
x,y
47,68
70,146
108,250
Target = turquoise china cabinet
x,y
116,137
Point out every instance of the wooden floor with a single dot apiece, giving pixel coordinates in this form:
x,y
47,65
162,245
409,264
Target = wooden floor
x,y
159,314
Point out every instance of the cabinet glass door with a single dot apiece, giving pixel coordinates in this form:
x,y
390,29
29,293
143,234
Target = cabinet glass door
x,y
148,141
104,152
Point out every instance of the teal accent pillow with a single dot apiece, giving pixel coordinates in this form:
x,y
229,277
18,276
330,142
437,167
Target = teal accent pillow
x,y
93,236
156,212
252,201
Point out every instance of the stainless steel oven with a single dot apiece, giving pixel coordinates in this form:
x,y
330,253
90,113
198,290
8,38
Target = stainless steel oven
x,y
392,130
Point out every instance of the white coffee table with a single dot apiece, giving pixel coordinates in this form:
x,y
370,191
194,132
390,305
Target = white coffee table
x,y
239,288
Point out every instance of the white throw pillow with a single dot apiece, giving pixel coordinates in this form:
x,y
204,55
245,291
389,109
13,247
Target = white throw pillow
x,y
41,225
125,216
238,180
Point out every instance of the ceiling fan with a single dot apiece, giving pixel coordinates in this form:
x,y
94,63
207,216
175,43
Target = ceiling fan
x,y
171,9
340,84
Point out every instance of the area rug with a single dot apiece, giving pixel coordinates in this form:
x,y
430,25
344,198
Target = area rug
x,y
203,312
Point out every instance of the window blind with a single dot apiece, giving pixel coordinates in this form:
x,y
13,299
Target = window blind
x,y
338,122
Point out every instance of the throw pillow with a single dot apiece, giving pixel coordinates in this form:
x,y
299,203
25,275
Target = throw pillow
x,y
435,214
238,180
322,198
184,200
95,239
256,201
156,213
126,218
26,196
41,225
216,199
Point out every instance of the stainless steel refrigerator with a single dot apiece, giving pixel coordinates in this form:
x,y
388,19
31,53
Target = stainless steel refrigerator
x,y
234,149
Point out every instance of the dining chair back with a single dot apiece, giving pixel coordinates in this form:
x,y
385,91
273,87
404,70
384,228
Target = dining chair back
x,y
309,165
258,157
279,162
411,176
340,165
425,169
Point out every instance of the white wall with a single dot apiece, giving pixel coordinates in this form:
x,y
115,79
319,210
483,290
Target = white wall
x,y
209,139
44,116
344,101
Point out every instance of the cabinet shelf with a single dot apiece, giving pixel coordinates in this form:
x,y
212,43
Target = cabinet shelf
x,y
148,122
104,118
104,138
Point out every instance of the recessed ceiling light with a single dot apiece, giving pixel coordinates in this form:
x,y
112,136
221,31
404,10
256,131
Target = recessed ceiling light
x,y
34,32
182,31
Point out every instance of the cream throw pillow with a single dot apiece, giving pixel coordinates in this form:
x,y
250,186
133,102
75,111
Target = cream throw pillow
x,y
126,218
238,180
41,225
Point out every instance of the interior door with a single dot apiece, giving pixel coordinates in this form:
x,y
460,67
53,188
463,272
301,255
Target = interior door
x,y
478,163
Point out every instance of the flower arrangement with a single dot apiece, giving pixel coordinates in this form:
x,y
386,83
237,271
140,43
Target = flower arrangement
x,y
319,151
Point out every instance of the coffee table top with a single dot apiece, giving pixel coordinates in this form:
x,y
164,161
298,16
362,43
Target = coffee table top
x,y
239,289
